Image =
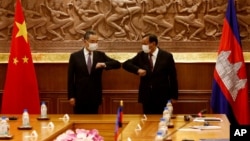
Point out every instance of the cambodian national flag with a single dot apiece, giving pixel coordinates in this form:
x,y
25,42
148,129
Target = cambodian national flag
x,y
118,123
230,88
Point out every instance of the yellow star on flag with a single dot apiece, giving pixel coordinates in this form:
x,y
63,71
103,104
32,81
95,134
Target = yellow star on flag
x,y
22,30
25,59
15,61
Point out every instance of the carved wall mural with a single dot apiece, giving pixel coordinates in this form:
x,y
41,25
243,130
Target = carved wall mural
x,y
181,25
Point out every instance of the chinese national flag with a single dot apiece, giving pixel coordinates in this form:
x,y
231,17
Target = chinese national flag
x,y
21,88
230,84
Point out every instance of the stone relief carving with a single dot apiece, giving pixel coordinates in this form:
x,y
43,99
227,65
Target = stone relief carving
x,y
189,14
244,18
87,18
122,17
154,13
6,19
35,21
214,15
123,20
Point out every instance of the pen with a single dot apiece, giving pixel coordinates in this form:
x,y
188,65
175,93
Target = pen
x,y
212,119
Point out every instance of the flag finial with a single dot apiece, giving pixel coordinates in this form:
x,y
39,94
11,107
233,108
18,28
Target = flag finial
x,y
121,103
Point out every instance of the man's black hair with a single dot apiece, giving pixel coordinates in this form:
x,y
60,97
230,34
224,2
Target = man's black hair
x,y
88,33
151,38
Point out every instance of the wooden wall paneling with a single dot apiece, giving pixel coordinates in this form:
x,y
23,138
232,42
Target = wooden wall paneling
x,y
52,76
191,106
130,102
63,106
52,82
49,103
2,79
195,76
58,102
195,84
119,79
198,100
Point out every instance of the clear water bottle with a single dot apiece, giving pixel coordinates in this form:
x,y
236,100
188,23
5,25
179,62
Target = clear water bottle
x,y
43,110
26,118
1,126
159,136
165,111
162,122
166,114
4,126
170,107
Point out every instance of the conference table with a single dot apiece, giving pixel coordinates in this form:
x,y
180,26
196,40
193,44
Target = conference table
x,y
134,127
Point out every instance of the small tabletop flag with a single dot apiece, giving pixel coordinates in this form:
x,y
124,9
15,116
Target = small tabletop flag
x,y
118,120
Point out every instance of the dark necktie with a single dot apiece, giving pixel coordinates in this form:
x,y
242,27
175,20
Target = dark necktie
x,y
89,64
151,62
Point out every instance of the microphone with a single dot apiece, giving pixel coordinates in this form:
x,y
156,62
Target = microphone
x,y
200,114
12,118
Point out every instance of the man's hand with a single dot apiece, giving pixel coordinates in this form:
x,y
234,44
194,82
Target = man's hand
x,y
141,72
100,65
72,101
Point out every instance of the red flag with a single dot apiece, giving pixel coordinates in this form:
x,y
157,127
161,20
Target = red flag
x,y
230,85
21,88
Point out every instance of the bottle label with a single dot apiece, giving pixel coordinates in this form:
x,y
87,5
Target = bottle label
x,y
43,111
25,118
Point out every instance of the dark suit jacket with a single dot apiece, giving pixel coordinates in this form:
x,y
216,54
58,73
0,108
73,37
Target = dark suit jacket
x,y
159,85
85,87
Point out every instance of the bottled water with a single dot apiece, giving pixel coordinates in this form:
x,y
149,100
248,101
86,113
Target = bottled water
x,y
166,115
163,128
165,111
43,110
25,118
170,107
159,136
4,126
162,122
1,126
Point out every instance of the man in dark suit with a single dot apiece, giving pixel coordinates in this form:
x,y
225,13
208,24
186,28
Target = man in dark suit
x,y
158,79
85,75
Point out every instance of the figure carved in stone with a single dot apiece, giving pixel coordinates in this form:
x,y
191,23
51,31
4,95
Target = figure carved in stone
x,y
186,15
156,16
244,18
34,20
215,14
58,20
6,20
120,11
88,17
